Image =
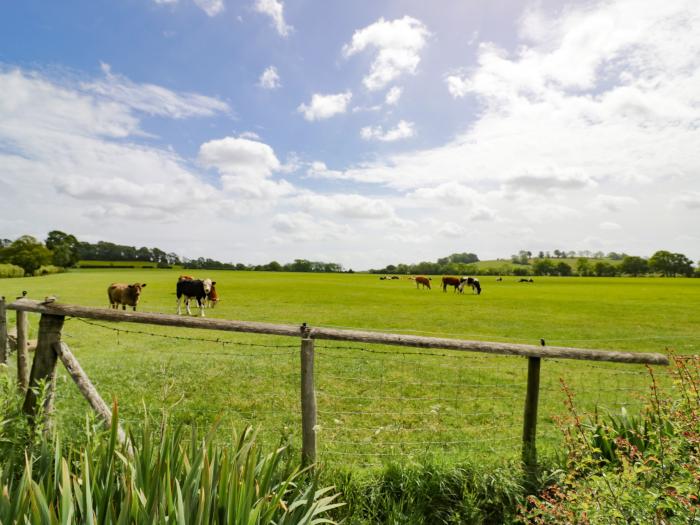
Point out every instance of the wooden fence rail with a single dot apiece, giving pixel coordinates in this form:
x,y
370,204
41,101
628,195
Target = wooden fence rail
x,y
49,347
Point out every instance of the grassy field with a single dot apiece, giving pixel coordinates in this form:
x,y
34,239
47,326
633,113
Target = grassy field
x,y
376,404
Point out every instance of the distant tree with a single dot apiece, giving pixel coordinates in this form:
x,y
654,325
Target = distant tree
x,y
27,253
540,255
521,271
604,269
523,257
583,267
274,266
633,265
563,269
65,248
5,243
543,267
670,264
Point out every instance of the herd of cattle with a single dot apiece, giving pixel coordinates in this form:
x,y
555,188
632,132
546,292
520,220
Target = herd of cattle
x,y
203,290
458,283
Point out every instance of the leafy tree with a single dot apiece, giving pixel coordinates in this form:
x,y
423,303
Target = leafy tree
x,y
27,253
670,264
564,269
65,248
583,266
633,265
604,269
543,267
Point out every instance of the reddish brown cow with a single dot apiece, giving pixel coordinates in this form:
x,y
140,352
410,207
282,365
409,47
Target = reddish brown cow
x,y
212,297
421,279
124,295
451,281
185,278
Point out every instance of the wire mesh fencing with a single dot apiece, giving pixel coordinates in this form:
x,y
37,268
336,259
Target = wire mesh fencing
x,y
376,404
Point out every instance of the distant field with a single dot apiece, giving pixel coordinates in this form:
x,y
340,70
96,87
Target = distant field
x,y
375,403
122,264
571,261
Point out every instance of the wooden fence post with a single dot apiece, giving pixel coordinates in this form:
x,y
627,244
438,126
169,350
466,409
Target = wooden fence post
x,y
44,367
22,351
529,454
308,400
3,331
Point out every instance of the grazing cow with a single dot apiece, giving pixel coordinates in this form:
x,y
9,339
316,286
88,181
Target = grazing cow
x,y
421,279
523,280
395,277
196,289
382,278
212,297
470,281
124,295
450,281
500,279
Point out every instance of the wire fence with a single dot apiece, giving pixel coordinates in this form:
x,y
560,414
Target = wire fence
x,y
376,404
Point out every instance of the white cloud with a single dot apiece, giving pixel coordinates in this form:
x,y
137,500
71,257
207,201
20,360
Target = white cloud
x,y
275,10
449,193
210,7
690,201
610,226
393,96
269,78
550,180
458,85
153,99
614,203
239,157
398,44
325,106
353,206
303,227
403,130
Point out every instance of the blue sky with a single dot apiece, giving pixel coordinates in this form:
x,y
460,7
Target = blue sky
x,y
364,133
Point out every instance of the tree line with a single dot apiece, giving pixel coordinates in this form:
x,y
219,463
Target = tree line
x,y
662,262
64,250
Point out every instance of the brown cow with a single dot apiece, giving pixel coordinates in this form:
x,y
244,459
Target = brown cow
x,y
212,297
422,279
451,281
185,278
124,294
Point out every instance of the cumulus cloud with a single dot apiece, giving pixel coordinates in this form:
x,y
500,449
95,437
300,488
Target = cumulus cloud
x,y
398,44
304,227
403,130
353,206
269,78
552,181
239,157
210,7
325,106
393,96
275,10
457,85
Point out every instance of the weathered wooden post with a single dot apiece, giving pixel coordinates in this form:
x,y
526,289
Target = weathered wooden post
x,y
529,455
308,399
22,351
3,331
44,367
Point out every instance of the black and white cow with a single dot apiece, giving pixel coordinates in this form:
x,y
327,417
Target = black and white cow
x,y
194,289
470,281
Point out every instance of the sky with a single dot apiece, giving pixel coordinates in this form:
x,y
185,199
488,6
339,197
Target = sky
x,y
363,133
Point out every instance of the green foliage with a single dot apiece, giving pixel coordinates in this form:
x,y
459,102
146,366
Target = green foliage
x,y
670,264
10,270
543,267
623,469
26,252
160,476
65,248
430,494
633,265
48,270
604,269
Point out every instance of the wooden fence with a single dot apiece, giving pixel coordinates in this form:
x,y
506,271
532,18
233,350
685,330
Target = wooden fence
x,y
50,348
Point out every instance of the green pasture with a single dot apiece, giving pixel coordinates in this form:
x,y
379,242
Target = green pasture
x,y
376,404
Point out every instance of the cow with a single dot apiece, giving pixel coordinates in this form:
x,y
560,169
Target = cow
x,y
185,278
470,281
212,297
523,280
421,279
196,289
499,279
451,281
394,277
124,295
